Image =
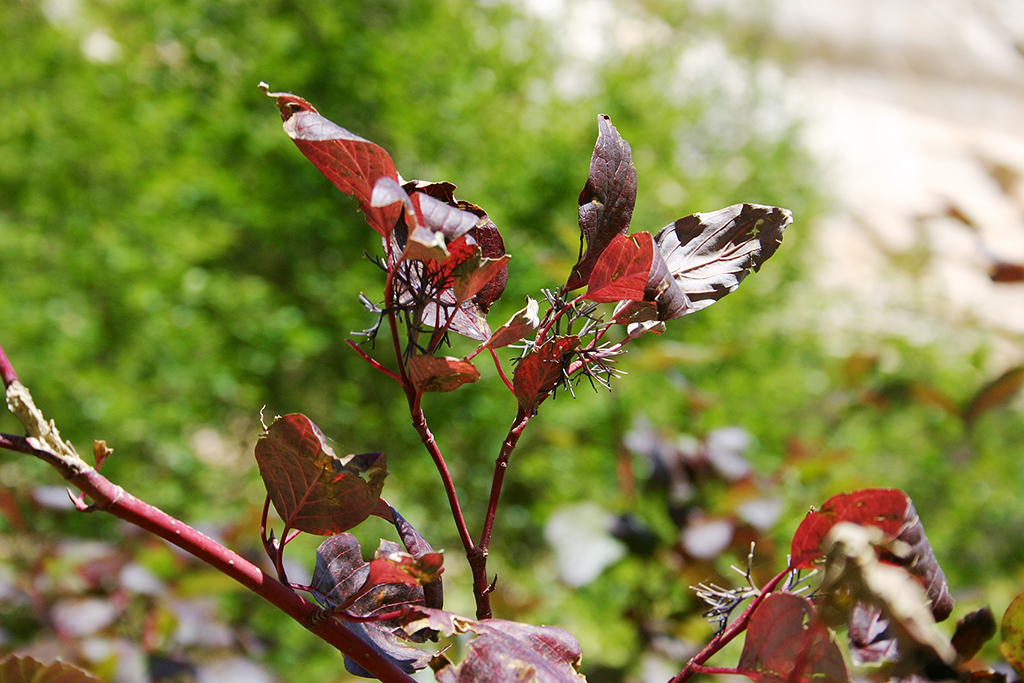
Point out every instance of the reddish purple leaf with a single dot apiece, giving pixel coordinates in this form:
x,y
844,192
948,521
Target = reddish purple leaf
x,y
341,574
503,650
434,373
541,370
709,254
352,163
607,200
788,643
314,490
885,509
417,546
622,272
973,631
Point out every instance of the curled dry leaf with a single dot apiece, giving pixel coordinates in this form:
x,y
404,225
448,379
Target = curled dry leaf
x,y
314,490
607,200
502,650
352,163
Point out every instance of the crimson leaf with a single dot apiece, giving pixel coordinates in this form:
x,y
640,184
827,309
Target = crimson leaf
x,y
435,373
788,643
607,200
622,272
541,370
709,254
352,163
314,490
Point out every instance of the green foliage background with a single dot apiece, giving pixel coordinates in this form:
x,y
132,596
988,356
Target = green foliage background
x,y
169,263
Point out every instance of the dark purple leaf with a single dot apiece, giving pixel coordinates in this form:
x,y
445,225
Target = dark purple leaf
x,y
314,490
503,650
788,643
352,163
973,631
709,254
417,546
341,573
871,639
607,200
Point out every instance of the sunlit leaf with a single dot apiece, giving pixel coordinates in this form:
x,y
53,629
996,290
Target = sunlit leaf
x,y
709,254
352,163
525,321
622,271
314,490
885,509
607,200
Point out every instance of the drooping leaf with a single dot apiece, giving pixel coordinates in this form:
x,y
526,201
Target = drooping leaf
x,y
314,490
973,631
430,224
885,509
622,271
435,373
994,394
502,650
1012,645
541,370
787,642
525,321
341,574
491,247
352,163
607,200
20,669
709,254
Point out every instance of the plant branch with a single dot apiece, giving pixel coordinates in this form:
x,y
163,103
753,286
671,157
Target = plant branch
x,y
6,369
734,629
478,560
419,423
373,362
113,499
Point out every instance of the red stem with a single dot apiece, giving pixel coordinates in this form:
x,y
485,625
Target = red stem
x,y
373,362
501,372
110,498
419,423
734,629
7,370
478,560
